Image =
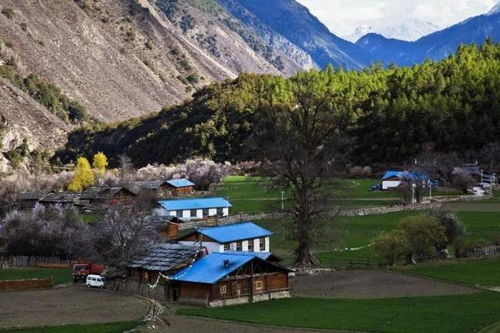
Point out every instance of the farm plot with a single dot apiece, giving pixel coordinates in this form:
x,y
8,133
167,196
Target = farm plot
x,y
371,284
66,306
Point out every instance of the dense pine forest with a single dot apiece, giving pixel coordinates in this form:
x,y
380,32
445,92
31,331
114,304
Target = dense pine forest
x,y
390,115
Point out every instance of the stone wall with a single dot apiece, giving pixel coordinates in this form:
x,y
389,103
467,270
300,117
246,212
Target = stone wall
x,y
246,299
17,285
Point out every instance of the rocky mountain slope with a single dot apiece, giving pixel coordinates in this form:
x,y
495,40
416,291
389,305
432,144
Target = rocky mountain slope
x,y
117,59
293,21
435,46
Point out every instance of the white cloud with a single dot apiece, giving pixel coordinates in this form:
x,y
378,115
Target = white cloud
x,y
343,16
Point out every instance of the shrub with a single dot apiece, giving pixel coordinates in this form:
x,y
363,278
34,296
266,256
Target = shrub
x,y
425,235
355,172
9,13
391,246
193,78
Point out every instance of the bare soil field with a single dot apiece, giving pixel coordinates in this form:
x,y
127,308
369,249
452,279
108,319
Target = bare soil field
x,y
64,306
371,284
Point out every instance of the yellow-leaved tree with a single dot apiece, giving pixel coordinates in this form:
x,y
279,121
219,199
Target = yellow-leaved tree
x,y
84,176
100,163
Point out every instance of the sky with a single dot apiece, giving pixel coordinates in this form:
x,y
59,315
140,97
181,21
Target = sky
x,y
343,16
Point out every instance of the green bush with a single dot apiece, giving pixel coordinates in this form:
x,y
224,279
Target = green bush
x,y
9,13
193,78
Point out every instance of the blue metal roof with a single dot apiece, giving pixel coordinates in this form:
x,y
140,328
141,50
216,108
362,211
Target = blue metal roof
x,y
390,174
194,203
405,175
180,182
212,268
261,255
234,232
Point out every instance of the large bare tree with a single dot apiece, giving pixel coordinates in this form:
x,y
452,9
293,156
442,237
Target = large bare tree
x,y
125,232
298,134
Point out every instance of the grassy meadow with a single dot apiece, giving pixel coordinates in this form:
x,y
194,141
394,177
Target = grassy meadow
x,y
444,314
59,275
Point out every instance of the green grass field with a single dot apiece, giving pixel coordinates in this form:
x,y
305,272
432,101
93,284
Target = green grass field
x,y
358,231
90,328
253,195
475,272
443,314
59,275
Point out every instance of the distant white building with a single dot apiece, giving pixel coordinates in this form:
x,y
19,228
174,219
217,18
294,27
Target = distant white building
x,y
244,237
193,208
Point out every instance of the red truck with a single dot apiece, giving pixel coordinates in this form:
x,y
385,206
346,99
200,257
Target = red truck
x,y
81,269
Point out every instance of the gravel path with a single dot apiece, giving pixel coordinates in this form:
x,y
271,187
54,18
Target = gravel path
x,y
70,305
371,284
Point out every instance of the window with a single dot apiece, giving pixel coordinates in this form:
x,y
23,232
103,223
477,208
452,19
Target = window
x,y
193,213
223,290
250,245
220,212
239,246
258,285
262,244
227,246
205,212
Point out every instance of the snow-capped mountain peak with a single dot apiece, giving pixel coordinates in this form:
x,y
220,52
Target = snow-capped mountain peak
x,y
410,30
495,9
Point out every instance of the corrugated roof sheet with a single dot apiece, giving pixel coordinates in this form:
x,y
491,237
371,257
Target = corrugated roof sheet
x,y
261,255
211,268
165,257
234,232
34,195
180,182
390,174
103,192
194,203
149,184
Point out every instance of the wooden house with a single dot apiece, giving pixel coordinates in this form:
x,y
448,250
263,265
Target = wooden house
x,y
28,200
165,259
100,196
60,198
230,278
180,187
244,236
158,188
193,208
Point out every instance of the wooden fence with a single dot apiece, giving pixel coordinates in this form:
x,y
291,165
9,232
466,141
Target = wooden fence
x,y
17,285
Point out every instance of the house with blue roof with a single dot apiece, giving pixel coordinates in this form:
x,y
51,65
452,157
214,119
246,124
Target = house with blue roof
x,y
244,236
392,179
162,188
231,278
193,208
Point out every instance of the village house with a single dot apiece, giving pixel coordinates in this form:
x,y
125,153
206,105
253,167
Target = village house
x,y
28,200
230,278
60,198
163,189
393,179
244,236
180,187
193,208
165,259
101,196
